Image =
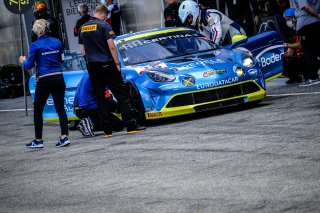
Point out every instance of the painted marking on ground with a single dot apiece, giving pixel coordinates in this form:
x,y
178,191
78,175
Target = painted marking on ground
x,y
294,94
14,110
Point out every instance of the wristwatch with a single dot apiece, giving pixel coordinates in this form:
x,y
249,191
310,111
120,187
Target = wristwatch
x,y
285,45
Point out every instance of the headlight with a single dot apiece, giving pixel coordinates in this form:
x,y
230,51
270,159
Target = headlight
x,y
158,76
248,61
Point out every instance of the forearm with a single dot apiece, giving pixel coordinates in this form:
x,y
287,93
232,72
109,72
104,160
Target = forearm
x,y
311,11
295,46
216,34
114,54
83,51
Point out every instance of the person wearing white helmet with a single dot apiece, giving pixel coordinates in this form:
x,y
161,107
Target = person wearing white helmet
x,y
294,62
210,22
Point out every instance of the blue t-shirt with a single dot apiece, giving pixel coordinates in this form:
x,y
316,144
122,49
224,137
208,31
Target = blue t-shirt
x,y
47,52
303,17
84,96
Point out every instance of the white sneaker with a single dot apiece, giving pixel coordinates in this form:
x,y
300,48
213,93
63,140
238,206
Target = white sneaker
x,y
310,82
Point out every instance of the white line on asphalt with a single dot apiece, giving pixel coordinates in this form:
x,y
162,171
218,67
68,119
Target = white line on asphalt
x,y
14,110
295,94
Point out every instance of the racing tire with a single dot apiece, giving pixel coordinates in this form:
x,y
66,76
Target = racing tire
x,y
11,79
137,104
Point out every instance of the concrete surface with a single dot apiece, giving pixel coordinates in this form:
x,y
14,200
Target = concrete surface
x,y
261,159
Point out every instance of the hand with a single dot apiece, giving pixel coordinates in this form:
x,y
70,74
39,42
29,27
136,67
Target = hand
x,y
118,67
22,59
256,20
289,52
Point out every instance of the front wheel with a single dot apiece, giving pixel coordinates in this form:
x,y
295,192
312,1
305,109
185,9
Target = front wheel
x,y
137,104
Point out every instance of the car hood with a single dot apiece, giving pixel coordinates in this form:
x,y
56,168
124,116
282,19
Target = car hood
x,y
197,65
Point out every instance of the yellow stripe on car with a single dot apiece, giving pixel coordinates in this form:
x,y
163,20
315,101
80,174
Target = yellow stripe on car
x,y
152,34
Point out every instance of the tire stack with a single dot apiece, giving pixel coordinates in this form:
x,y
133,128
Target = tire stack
x,y
11,81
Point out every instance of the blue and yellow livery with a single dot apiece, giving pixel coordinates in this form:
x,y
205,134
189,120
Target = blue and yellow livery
x,y
177,71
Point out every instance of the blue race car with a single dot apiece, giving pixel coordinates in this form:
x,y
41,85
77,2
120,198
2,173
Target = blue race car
x,y
177,71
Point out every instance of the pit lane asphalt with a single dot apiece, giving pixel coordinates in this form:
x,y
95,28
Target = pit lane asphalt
x,y
260,159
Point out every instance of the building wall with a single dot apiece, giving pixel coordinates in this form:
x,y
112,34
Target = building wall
x,y
10,42
137,15
141,15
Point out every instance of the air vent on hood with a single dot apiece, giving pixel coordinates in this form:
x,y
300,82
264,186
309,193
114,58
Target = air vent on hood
x,y
183,60
210,55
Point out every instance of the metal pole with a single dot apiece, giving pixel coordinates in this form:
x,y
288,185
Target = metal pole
x,y
23,75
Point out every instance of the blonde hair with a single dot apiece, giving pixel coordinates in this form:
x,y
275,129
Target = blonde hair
x,y
101,9
40,27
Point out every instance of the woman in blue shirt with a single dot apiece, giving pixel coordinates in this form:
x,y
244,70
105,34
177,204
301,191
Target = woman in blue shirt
x,y
47,53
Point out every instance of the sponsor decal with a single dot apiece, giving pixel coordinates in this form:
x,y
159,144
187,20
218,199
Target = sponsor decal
x,y
153,65
218,83
213,72
253,72
68,103
138,43
168,87
199,63
148,109
168,18
239,71
50,52
267,58
211,20
88,28
270,59
111,33
188,81
154,114
158,64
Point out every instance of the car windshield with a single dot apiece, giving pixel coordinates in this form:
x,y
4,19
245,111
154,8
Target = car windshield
x,y
162,47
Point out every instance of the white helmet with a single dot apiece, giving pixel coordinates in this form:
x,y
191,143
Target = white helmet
x,y
189,7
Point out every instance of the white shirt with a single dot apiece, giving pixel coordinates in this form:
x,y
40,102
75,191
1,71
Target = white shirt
x,y
219,25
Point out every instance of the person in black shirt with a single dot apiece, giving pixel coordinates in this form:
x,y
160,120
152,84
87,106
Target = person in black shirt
x,y
113,17
171,15
240,12
83,11
40,11
96,41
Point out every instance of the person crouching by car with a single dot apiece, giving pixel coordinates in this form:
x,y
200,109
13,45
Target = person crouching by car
x,y
85,108
294,63
96,42
47,53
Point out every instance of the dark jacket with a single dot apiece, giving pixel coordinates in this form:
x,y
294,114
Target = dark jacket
x,y
79,23
115,20
53,28
171,16
239,8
